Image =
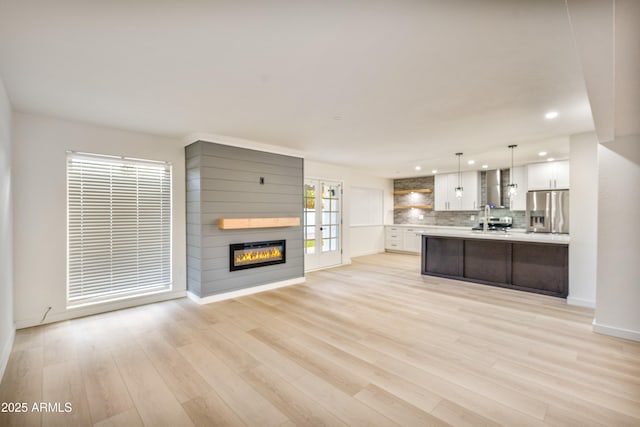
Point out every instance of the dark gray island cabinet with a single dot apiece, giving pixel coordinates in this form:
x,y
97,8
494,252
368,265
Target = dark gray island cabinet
x,y
528,266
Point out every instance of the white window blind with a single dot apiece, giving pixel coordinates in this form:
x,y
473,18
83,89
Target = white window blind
x,y
119,228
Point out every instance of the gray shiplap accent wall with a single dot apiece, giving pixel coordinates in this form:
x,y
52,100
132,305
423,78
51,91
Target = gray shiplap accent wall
x,y
224,182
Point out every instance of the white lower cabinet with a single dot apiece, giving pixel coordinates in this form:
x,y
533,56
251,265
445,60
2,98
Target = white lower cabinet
x,y
403,239
411,240
393,238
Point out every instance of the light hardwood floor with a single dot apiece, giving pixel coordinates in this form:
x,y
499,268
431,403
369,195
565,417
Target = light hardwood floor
x,y
374,343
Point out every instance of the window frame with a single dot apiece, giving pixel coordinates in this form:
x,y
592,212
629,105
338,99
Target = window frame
x,y
145,173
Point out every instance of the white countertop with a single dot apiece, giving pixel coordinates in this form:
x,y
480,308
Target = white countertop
x,y
516,235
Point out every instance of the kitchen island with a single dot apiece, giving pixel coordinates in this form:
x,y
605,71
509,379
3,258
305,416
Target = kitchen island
x,y
525,261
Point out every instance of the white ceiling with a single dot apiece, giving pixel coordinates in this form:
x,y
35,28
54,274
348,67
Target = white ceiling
x,y
376,85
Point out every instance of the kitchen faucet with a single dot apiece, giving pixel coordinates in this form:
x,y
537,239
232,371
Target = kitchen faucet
x,y
487,212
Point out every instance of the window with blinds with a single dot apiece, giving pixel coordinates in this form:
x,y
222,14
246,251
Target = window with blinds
x,y
119,228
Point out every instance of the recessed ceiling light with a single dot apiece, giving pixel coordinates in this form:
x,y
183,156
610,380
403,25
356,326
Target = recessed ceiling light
x,y
551,115
434,171
471,162
418,168
542,153
550,159
485,166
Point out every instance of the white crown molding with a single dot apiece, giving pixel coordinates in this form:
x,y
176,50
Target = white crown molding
x,y
241,143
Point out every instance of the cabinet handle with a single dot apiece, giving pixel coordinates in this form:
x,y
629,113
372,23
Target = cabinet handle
x,y
550,186
555,184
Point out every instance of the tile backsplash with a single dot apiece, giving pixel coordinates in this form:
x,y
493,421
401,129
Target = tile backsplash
x,y
432,217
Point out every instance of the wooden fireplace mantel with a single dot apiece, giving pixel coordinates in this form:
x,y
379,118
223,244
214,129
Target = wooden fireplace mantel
x,y
240,223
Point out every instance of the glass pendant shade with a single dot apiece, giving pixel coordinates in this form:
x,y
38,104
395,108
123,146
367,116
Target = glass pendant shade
x,y
513,188
458,189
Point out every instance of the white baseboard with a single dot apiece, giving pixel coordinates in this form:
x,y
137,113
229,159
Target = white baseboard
x,y
373,252
581,302
346,261
72,313
616,332
243,292
394,251
6,352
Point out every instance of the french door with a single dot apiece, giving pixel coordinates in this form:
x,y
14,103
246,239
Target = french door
x,y
322,223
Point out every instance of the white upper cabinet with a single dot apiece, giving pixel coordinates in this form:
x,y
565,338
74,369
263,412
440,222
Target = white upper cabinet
x,y
539,176
440,192
548,175
445,195
561,174
519,176
471,195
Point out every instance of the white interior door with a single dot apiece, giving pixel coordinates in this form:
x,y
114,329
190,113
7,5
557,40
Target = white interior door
x,y
322,223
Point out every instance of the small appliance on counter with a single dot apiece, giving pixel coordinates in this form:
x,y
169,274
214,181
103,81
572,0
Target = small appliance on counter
x,y
496,224
548,211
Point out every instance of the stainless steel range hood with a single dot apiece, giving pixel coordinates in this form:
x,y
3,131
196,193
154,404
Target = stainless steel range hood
x,y
494,189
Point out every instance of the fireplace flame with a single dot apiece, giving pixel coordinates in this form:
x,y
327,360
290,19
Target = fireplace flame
x,y
265,254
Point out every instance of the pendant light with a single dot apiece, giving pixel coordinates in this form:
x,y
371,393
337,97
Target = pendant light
x,y
458,189
513,188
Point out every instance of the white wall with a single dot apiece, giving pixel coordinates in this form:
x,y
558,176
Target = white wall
x,y
39,172
592,23
6,229
583,219
357,241
606,35
618,291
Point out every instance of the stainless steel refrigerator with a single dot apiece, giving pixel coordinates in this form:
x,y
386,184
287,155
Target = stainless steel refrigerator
x,y
548,211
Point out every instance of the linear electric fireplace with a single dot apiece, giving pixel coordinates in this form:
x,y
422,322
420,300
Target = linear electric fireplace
x,y
256,254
